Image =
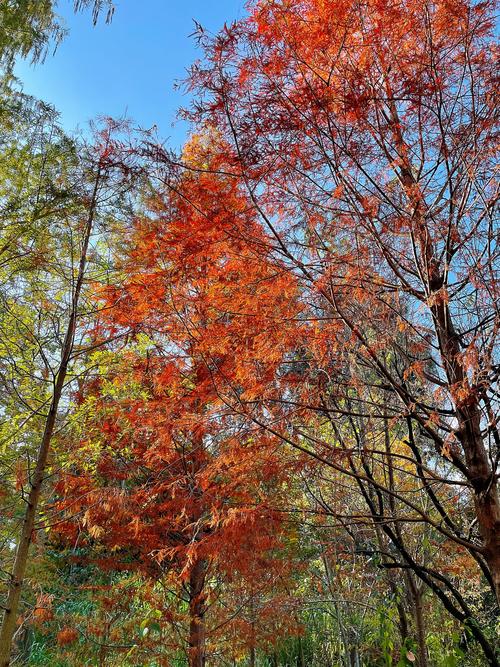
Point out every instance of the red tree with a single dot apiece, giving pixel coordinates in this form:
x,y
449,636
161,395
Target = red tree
x,y
181,488
365,138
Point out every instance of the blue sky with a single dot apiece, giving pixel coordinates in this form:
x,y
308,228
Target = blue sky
x,y
129,66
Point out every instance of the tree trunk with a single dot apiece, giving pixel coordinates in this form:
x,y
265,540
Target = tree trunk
x,y
483,481
11,608
416,595
196,613
466,399
21,557
468,413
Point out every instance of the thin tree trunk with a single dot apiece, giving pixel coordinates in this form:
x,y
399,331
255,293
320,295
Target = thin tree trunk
x,y
420,623
197,631
11,608
416,597
403,622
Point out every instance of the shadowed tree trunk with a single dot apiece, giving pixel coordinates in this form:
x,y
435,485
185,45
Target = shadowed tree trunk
x,y
197,633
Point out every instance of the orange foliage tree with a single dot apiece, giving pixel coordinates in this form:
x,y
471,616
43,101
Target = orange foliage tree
x,y
166,481
365,138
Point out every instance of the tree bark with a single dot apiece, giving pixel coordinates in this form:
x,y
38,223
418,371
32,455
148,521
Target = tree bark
x,y
468,413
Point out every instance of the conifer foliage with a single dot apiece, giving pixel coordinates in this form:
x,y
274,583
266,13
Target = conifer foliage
x,y
273,420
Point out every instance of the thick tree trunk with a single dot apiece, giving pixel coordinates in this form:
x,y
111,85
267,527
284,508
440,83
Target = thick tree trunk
x,y
197,633
485,487
11,607
468,413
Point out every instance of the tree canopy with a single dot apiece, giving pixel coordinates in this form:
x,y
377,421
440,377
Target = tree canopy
x,y
249,390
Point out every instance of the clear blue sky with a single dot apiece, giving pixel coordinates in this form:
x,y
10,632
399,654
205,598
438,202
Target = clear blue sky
x,y
128,66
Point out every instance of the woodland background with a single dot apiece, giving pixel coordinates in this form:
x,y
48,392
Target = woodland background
x,y
249,389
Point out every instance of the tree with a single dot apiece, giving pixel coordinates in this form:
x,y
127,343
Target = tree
x,y
156,490
301,347
44,297
177,490
28,26
365,139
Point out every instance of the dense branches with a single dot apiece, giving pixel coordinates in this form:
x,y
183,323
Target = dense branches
x,y
292,389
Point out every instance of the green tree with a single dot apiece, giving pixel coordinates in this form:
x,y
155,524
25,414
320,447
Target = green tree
x,y
60,201
28,27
